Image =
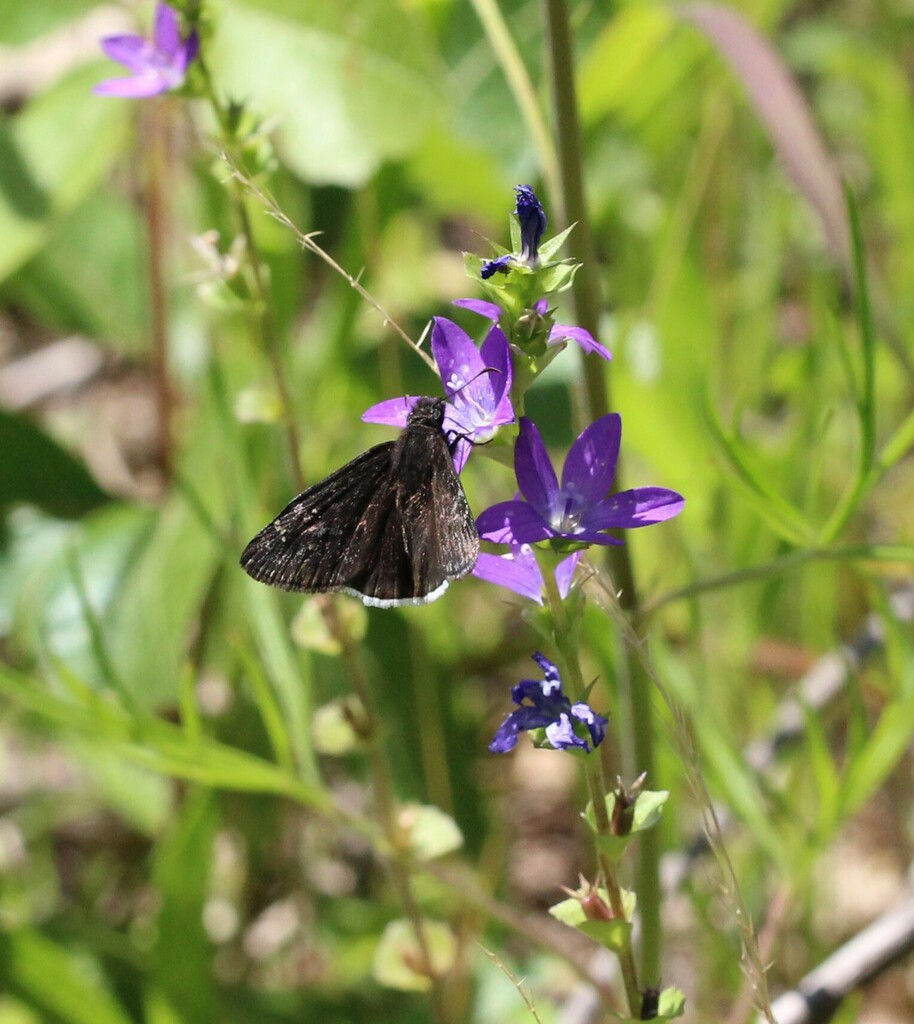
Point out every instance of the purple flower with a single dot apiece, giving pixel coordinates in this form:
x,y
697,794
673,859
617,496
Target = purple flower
x,y
477,384
532,220
557,335
548,709
497,266
157,65
581,508
518,570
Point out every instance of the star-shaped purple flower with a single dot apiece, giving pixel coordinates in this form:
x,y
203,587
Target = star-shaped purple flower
x,y
477,385
548,709
518,570
559,333
579,509
157,65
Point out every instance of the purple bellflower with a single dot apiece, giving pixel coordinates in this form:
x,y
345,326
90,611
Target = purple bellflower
x,y
532,220
548,708
156,65
559,333
579,509
518,570
477,385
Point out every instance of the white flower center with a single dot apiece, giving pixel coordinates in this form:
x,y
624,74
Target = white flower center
x,y
568,510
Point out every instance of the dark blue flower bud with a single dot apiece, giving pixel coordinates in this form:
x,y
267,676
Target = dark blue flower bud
x,y
532,218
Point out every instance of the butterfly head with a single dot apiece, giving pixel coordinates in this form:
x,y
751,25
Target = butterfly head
x,y
428,412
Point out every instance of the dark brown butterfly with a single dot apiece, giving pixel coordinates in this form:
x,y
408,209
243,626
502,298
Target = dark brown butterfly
x,y
392,527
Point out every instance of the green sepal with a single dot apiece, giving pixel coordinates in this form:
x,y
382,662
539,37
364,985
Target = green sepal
x,y
647,808
614,934
550,247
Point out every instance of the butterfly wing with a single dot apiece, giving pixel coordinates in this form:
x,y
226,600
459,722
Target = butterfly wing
x,y
392,527
306,547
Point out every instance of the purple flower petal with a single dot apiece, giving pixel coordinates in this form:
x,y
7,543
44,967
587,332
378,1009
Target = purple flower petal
x,y
640,506
561,734
476,382
167,31
568,332
187,53
596,724
456,356
541,306
564,573
497,266
487,309
523,719
517,570
535,475
133,52
591,463
394,411
134,87
513,522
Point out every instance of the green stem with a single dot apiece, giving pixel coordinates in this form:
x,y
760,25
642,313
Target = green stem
x,y
573,678
586,293
259,278
385,799
506,52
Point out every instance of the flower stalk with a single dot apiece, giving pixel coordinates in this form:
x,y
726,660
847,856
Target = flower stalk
x,y
586,292
565,636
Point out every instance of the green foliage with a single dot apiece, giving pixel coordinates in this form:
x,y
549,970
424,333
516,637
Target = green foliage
x,y
189,765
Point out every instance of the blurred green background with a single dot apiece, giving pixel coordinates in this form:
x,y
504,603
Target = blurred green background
x,y
160,860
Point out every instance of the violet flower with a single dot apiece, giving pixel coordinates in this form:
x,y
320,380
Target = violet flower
x,y
581,508
548,709
532,219
560,332
477,385
157,65
518,570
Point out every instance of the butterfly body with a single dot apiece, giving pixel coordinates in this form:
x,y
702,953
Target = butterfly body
x,y
392,527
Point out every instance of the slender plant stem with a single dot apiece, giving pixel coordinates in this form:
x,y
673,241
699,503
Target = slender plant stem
x,y
155,122
586,293
385,800
505,50
259,279
566,642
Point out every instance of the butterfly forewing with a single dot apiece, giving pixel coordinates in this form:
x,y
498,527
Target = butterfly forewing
x,y
392,527
304,546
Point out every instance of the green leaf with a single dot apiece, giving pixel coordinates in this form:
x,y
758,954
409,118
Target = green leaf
x,y
432,833
21,22
46,168
614,934
38,471
66,985
153,743
182,954
648,807
399,950
349,92
90,277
